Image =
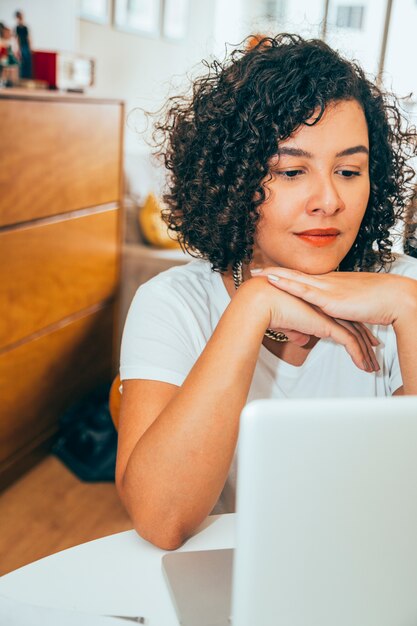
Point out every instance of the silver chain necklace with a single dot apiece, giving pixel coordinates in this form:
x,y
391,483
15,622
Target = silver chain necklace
x,y
237,273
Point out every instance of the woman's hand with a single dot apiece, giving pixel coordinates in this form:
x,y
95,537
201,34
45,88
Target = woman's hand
x,y
361,297
300,320
355,296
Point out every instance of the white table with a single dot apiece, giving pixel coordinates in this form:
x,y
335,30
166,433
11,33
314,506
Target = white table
x,y
117,575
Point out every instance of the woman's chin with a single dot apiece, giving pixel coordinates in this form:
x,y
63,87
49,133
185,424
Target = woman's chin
x,y
306,263
316,267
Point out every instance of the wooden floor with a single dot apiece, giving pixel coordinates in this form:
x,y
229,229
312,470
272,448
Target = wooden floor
x,y
50,509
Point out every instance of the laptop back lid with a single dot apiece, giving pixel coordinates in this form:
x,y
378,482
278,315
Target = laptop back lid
x,y
327,513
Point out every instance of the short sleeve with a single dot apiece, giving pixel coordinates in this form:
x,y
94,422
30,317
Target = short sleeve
x,y
159,341
392,362
404,266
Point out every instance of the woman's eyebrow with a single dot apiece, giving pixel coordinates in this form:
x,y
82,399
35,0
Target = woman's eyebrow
x,y
294,152
353,150
298,152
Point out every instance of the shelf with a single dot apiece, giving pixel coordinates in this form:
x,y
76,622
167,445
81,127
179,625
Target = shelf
x,y
148,252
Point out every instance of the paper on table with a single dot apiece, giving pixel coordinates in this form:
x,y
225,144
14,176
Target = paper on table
x,y
14,613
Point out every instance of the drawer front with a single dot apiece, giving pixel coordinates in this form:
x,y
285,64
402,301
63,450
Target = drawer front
x,y
57,157
41,378
49,271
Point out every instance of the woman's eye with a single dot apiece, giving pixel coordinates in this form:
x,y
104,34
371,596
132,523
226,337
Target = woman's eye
x,y
290,173
349,173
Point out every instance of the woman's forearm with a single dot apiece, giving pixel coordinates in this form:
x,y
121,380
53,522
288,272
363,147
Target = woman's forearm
x,y
185,455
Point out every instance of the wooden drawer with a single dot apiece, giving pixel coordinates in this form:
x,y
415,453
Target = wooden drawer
x,y
57,157
41,378
51,270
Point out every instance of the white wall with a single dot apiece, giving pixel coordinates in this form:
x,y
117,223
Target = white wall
x,y
301,16
143,71
52,23
229,24
400,70
363,45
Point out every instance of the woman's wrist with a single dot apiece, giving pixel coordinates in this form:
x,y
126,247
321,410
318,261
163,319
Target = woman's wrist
x,y
252,299
406,318
406,335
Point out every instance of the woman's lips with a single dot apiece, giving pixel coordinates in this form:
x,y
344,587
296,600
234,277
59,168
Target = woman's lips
x,y
319,237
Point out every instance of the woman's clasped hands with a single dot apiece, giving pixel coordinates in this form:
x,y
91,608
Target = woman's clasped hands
x,y
337,305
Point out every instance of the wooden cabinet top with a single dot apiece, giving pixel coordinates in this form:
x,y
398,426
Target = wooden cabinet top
x,y
52,95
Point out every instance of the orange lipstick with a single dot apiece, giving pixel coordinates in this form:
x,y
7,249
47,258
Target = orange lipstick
x,y
319,237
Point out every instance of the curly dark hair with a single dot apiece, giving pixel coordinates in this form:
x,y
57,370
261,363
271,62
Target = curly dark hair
x,y
216,144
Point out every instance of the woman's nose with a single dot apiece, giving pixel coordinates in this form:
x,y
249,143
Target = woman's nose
x,y
325,198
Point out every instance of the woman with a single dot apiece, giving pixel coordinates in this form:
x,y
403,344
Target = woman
x,y
23,39
289,163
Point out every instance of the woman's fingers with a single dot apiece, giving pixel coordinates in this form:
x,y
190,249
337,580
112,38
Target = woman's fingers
x,y
364,336
371,342
364,341
322,326
354,346
361,341
372,338
307,292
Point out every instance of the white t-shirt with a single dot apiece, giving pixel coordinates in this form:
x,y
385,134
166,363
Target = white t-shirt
x,y
172,317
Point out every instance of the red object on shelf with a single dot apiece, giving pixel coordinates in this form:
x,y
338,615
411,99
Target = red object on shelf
x,y
45,67
63,70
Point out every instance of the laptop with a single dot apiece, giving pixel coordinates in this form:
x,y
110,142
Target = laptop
x,y
326,520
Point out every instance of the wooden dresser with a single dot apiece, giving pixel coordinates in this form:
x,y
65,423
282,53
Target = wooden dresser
x,y
60,242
